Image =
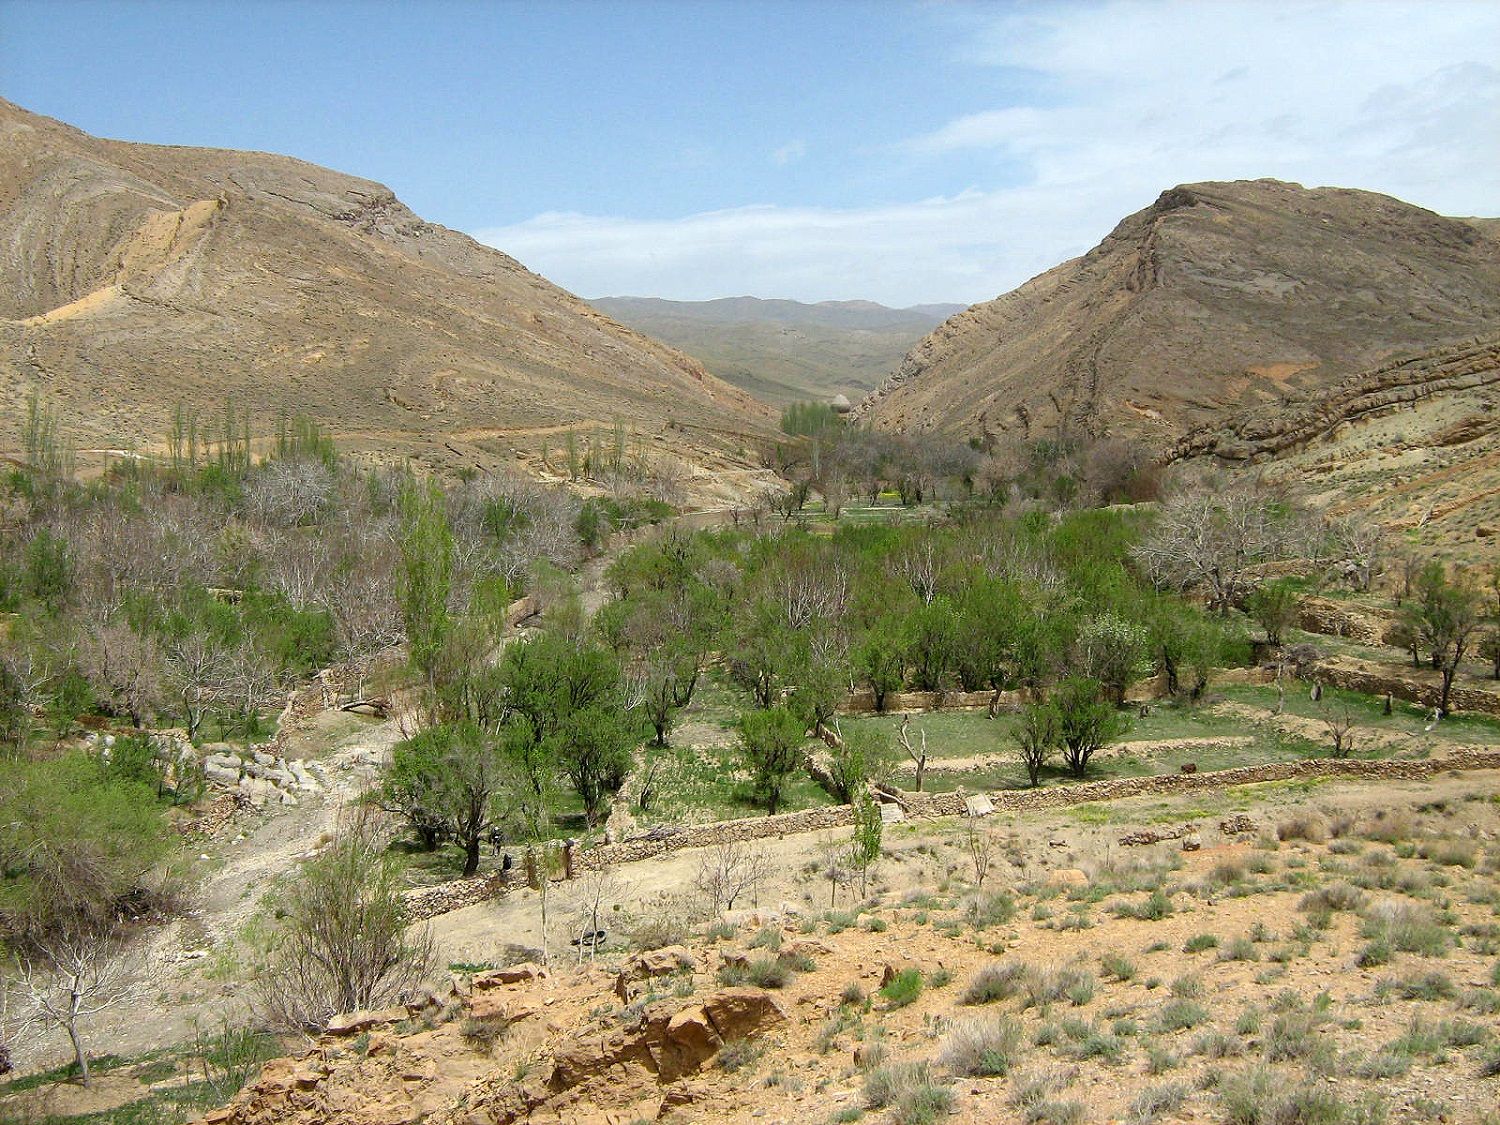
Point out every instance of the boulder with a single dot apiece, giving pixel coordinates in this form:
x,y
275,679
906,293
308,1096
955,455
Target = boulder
x,y
1070,877
739,1012
661,962
512,974
352,1023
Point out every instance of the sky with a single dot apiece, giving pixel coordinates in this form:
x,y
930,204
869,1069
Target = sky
x,y
899,152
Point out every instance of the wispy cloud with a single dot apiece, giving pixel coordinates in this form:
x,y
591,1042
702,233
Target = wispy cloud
x,y
1399,98
787,153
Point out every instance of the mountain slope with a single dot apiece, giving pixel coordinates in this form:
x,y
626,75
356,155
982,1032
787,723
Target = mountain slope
x,y
1217,298
785,351
133,277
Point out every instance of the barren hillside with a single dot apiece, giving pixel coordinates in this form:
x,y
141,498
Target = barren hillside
x,y
1219,297
139,276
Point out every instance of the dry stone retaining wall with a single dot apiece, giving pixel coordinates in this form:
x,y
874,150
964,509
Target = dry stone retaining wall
x,y
431,901
1376,680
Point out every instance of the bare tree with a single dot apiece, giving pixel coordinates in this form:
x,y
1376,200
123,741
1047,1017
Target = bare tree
x,y
592,894
979,842
918,756
1210,537
124,669
728,871
1340,719
67,979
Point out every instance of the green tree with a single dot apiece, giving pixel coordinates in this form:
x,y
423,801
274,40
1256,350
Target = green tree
x,y
881,659
1273,606
1113,651
343,941
595,749
864,846
1038,736
771,743
1086,721
48,574
463,770
1444,617
425,578
822,686
863,755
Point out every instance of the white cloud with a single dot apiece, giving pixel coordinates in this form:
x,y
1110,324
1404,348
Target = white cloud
x,y
792,150
1399,98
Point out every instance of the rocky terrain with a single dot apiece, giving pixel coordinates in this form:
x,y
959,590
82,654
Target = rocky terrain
x,y
1218,300
1318,955
136,277
1414,443
785,351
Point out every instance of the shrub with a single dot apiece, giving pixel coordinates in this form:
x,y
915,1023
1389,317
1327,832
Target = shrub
x,y
990,910
1431,985
1214,1044
1290,1036
1189,986
1118,966
923,1104
1200,942
1335,896
1153,908
1160,1059
902,989
1054,1112
997,982
1303,826
1408,928
885,1085
765,972
1178,1015
739,1054
1240,949
1153,1101
1077,985
982,1048
1259,1096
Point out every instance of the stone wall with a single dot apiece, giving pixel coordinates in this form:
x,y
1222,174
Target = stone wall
x,y
1416,686
1334,618
430,901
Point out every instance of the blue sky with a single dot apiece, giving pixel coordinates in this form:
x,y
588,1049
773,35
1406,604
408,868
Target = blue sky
x,y
902,152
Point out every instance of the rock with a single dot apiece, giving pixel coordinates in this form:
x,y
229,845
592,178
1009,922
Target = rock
x,y
513,974
1192,842
661,962
892,813
1069,877
691,1040
352,1023
740,1012
1237,825
978,805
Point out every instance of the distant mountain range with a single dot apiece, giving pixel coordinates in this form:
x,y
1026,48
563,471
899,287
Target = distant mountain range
x,y
785,351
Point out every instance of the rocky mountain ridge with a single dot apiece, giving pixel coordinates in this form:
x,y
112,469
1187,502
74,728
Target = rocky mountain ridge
x,y
139,276
1217,299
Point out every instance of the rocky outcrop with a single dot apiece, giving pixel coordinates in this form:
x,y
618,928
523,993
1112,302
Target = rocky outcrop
x,y
1217,298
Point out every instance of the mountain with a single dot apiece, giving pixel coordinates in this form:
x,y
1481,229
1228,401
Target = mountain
x,y
1219,299
135,277
785,351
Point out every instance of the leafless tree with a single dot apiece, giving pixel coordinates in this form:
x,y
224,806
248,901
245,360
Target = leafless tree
x,y
124,669
66,979
197,672
592,894
918,756
918,565
728,871
1209,536
979,842
289,492
1340,720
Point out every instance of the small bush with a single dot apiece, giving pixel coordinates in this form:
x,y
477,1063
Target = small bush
x,y
923,1104
1179,1015
1153,1101
764,972
990,910
1240,949
980,1048
740,1054
1290,1036
1260,1096
1199,942
902,989
997,982
1153,908
1335,896
1117,965
1431,985
1054,1112
1408,928
1189,986
1303,826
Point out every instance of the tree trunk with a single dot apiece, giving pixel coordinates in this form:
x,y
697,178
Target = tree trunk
x,y
1448,674
80,1056
471,856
